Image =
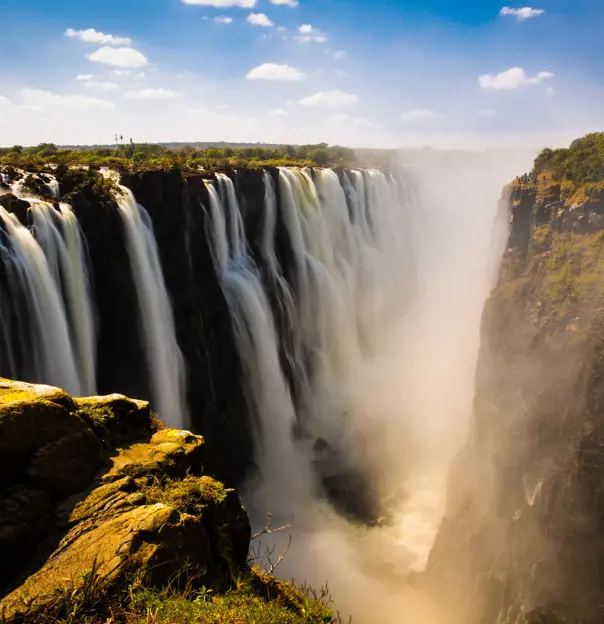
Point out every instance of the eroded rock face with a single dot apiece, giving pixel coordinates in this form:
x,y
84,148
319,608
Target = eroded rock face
x,y
70,503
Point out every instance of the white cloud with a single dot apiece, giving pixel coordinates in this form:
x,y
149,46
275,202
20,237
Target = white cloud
x,y
119,57
486,113
342,73
246,4
512,79
550,91
308,33
128,73
46,99
338,119
289,3
259,19
10,107
223,19
101,85
333,99
419,115
84,77
151,94
276,72
523,13
278,112
359,122
90,35
339,55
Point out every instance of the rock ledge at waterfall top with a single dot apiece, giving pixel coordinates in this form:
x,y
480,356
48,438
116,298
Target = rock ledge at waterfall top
x,y
106,513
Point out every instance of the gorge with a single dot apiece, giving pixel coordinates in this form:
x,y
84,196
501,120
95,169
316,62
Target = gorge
x,y
321,329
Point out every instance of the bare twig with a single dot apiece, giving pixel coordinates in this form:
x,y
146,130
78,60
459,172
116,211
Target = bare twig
x,y
269,554
268,528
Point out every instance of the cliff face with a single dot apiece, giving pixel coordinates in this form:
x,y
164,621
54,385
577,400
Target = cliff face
x,y
523,538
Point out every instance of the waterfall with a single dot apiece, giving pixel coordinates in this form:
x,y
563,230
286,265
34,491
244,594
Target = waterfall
x,y
54,187
255,333
42,350
163,357
58,233
344,255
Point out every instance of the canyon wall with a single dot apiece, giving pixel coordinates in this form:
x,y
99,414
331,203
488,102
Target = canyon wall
x,y
523,537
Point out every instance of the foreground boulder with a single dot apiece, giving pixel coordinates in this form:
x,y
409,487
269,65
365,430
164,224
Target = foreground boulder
x,y
71,503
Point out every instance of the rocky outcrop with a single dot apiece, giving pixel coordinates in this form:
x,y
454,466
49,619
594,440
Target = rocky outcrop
x,y
522,542
96,486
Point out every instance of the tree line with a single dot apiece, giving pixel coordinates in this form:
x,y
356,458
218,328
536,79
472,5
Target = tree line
x,y
155,155
581,163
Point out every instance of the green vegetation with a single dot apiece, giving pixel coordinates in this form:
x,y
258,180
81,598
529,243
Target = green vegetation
x,y
561,286
582,162
146,155
574,174
257,598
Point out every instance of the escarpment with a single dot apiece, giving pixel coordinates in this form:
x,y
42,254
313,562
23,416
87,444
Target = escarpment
x,y
522,540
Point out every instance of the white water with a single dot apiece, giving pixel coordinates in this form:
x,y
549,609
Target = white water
x,y
59,235
163,357
48,353
256,337
389,282
54,188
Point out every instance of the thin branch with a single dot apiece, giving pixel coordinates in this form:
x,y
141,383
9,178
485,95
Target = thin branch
x,y
268,528
280,558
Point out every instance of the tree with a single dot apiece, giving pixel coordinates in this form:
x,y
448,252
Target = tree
x,y
319,157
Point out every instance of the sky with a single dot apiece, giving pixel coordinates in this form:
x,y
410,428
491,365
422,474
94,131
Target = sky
x,y
362,73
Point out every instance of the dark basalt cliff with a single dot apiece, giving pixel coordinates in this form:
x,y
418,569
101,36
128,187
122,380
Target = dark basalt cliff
x,y
176,203
523,537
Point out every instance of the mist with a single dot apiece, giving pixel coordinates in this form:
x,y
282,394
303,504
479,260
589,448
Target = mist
x,y
407,405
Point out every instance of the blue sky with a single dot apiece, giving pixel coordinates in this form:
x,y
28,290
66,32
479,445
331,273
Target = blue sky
x,y
382,73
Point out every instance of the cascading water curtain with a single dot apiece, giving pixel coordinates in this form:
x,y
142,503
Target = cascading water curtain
x,y
59,235
281,472
48,333
39,346
162,353
345,245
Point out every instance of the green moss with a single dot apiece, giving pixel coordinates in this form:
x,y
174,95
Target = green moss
x,y
116,419
190,494
542,238
563,280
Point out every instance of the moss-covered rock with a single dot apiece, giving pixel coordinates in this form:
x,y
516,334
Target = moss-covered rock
x,y
72,502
